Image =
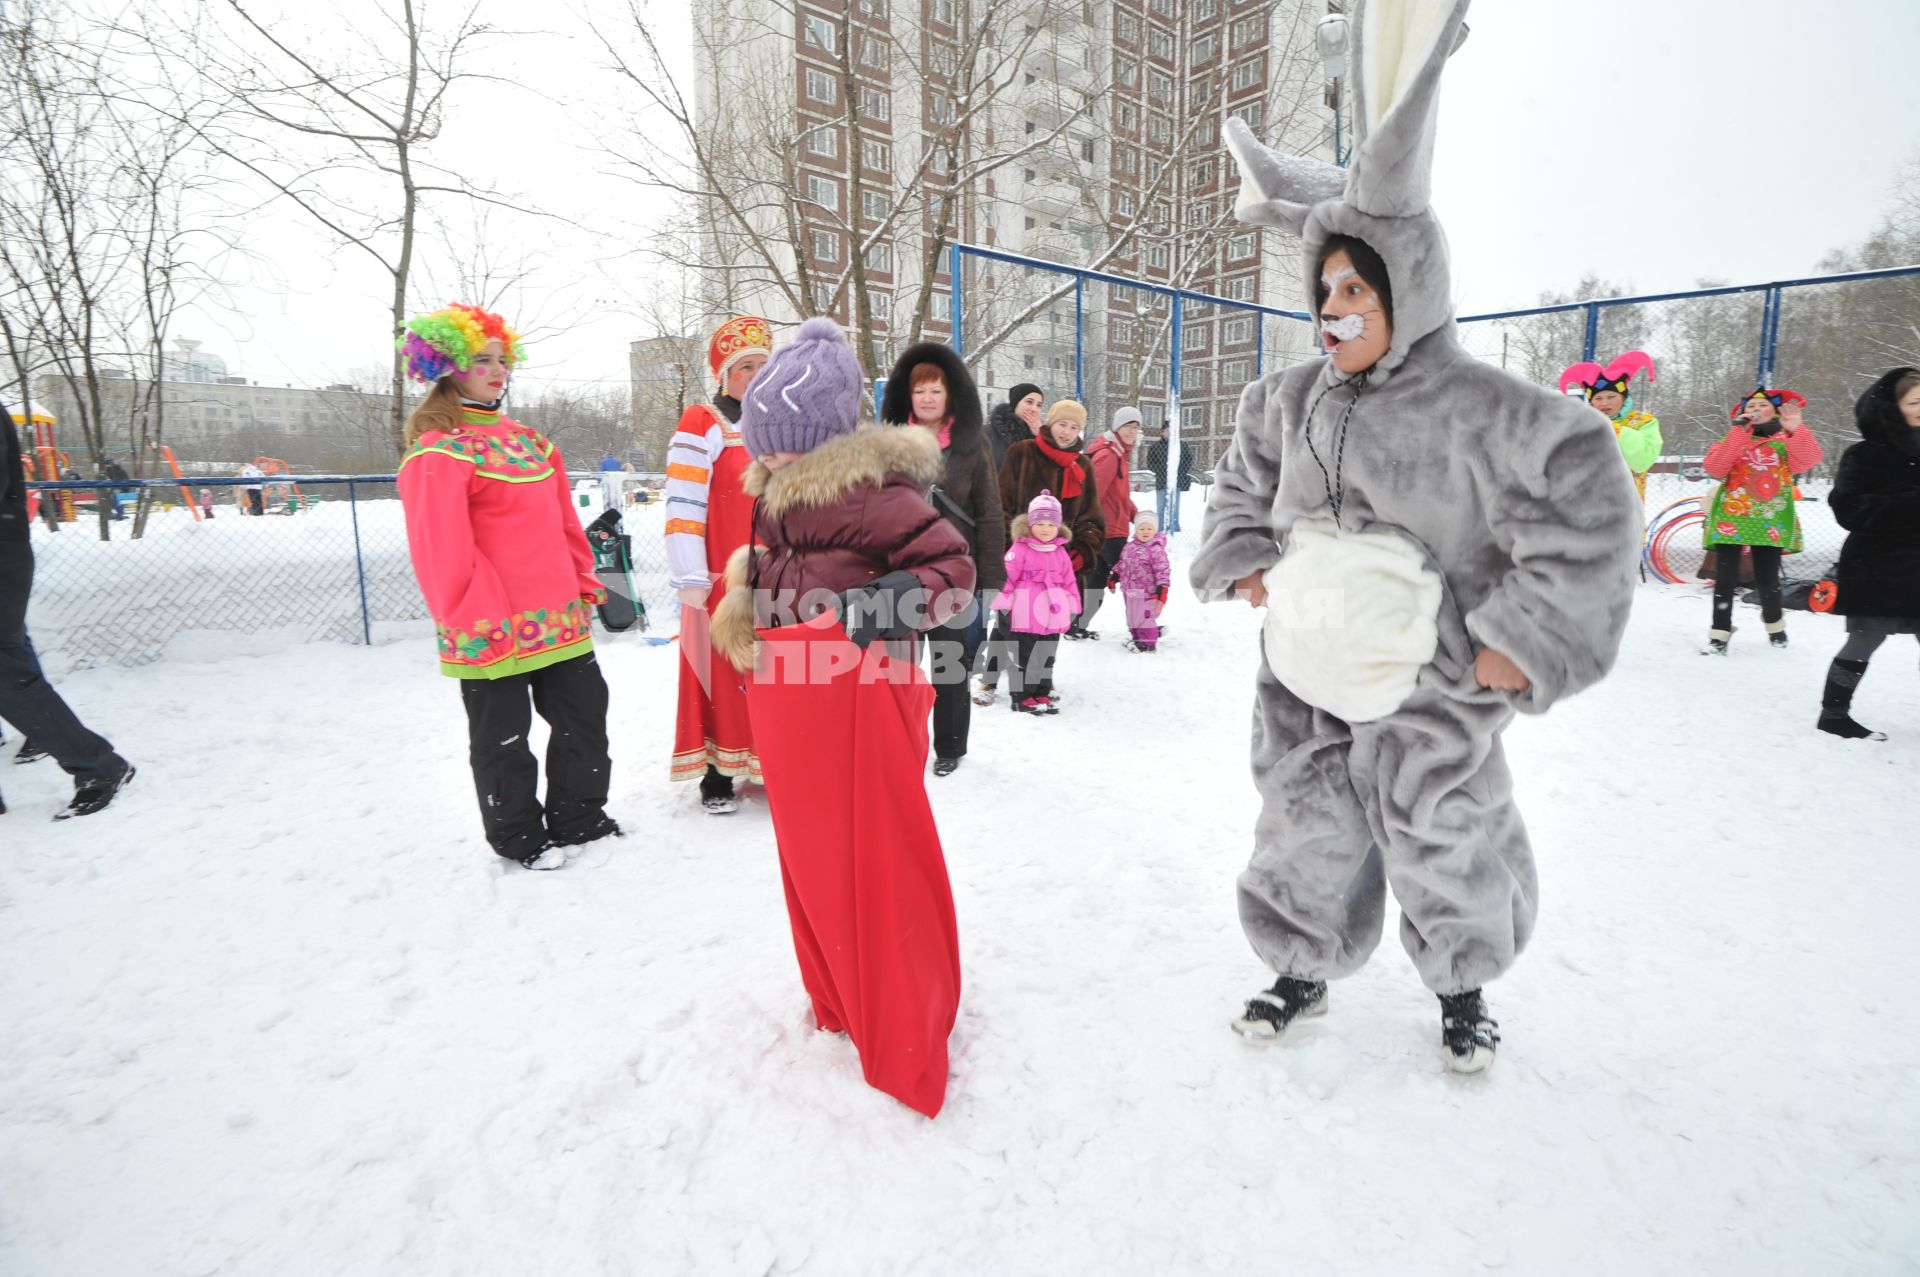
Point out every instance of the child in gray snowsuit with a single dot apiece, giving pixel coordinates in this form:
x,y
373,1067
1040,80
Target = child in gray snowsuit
x,y
1440,544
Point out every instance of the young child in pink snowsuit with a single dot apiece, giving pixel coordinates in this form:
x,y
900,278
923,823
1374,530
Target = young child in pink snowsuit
x,y
1142,576
1040,598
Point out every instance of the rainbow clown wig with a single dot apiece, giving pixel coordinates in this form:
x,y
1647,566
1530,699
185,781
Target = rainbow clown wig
x,y
447,340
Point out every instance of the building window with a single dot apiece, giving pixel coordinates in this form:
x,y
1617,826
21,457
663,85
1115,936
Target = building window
x,y
875,206
1157,257
1121,331
1193,419
1240,288
1160,45
939,304
1196,379
1031,223
1205,47
1086,149
1209,130
1203,9
1247,30
874,8
877,103
820,87
1163,7
1154,169
1160,84
1248,73
823,141
825,192
822,298
1237,332
876,155
1252,114
1129,75
1126,27
1243,247
942,12
1125,118
1236,373
1122,204
1202,174
826,245
940,58
880,258
1158,129
1194,337
942,110
819,32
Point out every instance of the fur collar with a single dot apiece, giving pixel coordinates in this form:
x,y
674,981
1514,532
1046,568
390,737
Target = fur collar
x,y
867,458
1018,530
963,397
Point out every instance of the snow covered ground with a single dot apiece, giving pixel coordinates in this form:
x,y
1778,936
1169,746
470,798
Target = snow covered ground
x,y
278,1010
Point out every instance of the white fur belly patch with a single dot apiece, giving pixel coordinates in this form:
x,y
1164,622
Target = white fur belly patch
x,y
1351,619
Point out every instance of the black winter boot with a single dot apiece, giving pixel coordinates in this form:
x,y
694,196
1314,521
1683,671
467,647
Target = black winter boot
x,y
1836,702
1467,1032
1268,1014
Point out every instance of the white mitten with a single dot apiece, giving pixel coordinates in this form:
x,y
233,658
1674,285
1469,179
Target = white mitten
x,y
1351,619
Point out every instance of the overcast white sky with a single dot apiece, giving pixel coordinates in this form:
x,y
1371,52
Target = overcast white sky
x,y
1655,142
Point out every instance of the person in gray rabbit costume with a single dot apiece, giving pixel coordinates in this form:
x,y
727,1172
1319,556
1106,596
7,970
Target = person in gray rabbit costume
x,y
1438,545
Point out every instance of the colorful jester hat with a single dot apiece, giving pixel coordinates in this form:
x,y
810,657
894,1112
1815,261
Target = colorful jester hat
x,y
447,340
1616,376
1383,197
1778,398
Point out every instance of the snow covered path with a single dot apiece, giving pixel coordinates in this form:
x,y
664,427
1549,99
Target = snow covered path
x,y
278,1011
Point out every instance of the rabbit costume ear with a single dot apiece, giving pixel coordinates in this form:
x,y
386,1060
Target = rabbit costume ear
x,y
1400,49
1275,189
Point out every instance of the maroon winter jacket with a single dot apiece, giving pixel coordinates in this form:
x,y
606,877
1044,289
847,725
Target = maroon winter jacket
x,y
1113,475
843,515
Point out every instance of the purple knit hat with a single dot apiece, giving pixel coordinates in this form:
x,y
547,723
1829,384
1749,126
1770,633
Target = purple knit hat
x,y
808,393
1044,508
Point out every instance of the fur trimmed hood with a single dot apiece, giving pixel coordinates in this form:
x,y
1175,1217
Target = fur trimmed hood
x,y
963,397
864,459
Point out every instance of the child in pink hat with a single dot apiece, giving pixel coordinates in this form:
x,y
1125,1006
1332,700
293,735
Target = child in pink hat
x,y
1040,599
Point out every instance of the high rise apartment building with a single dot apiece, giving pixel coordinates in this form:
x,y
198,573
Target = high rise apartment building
x,y
1084,132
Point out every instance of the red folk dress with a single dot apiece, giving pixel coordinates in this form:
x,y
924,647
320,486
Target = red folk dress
x,y
709,516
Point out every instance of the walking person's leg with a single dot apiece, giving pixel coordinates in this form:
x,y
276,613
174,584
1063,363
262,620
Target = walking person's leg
x,y
952,701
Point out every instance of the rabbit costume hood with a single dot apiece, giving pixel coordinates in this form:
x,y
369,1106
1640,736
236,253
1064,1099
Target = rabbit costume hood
x,y
1404,519
1384,196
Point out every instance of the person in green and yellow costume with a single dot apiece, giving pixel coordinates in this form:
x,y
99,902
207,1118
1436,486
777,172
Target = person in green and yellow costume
x,y
1608,389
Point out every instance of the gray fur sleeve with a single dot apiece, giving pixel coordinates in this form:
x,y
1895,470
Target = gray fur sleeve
x,y
1237,537
1564,511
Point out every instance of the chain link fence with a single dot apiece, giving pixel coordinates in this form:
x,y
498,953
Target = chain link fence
x,y
326,560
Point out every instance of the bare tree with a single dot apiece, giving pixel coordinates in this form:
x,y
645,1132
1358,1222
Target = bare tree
x,y
345,134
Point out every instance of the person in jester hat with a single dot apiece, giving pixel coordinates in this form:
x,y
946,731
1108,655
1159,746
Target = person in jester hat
x,y
1443,544
848,551
509,579
1610,390
1754,511
707,520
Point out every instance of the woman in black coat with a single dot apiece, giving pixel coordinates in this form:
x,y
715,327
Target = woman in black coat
x,y
930,388
1876,498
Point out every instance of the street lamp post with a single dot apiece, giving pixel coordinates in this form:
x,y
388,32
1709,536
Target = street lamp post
x,y
1334,37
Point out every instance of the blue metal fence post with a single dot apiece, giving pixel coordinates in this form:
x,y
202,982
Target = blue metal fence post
x,y
1174,445
1079,339
360,567
1259,346
1770,335
1593,333
954,258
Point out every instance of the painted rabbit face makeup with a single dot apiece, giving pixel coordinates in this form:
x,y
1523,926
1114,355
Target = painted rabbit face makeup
x,y
1353,319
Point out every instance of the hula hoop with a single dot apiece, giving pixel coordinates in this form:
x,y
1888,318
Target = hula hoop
x,y
1659,530
1683,525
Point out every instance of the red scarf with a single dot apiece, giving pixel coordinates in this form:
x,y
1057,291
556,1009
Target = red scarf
x,y
1069,463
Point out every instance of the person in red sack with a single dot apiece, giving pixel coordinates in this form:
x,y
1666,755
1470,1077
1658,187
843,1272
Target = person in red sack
x,y
507,574
707,518
847,551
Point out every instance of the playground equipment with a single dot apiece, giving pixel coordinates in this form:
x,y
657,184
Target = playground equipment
x,y
277,473
166,454
45,462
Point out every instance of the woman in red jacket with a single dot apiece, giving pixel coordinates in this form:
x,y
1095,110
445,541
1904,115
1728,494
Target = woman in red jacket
x,y
509,579
1112,458
847,550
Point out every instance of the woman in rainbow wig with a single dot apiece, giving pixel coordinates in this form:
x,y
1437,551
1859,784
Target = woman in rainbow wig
x,y
509,579
1609,390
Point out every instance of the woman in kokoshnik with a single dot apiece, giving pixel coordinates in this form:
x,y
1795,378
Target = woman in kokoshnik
x,y
709,516
507,574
